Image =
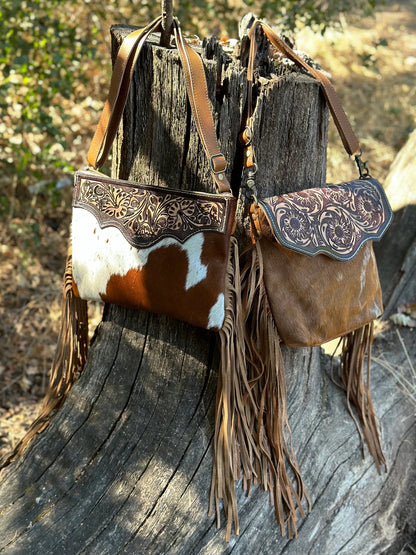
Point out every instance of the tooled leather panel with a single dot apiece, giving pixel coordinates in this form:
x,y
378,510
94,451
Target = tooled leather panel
x,y
146,214
334,220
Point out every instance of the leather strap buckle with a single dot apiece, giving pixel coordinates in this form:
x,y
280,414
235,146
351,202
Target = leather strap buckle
x,y
211,164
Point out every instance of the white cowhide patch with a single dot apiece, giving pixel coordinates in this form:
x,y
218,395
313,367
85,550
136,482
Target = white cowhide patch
x,y
217,313
98,254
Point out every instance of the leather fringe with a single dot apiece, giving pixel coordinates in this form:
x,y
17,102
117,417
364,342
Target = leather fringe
x,y
276,468
234,442
69,360
252,435
356,382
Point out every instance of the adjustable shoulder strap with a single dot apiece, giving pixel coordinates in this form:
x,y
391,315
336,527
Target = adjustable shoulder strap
x,y
201,109
345,131
197,93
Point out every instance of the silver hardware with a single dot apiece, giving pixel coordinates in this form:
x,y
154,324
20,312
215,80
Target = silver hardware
x,y
249,134
362,166
251,190
252,170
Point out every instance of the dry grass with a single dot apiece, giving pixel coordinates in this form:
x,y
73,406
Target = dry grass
x,y
373,65
404,375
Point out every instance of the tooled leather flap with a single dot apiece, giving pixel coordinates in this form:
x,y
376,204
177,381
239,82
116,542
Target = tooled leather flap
x,y
146,214
335,220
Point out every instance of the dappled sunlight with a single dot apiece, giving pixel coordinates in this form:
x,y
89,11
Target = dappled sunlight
x,y
372,63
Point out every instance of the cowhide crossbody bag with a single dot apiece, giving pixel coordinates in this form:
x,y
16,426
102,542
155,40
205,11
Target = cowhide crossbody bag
x,y
152,248
159,249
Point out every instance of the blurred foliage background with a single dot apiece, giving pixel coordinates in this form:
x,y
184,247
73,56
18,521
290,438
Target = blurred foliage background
x,y
50,51
54,73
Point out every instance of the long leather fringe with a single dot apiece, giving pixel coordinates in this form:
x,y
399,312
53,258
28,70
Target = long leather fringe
x,y
70,357
252,435
276,468
356,383
234,442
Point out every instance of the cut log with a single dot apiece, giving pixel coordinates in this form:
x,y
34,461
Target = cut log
x,y
396,252
125,465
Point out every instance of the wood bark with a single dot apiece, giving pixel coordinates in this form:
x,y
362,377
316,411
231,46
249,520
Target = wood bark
x,y
125,465
167,18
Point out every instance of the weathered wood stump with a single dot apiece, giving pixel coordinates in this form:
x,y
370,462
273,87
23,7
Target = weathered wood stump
x,y
125,465
396,253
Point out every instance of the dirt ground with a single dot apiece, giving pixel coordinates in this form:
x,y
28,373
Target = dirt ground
x,y
373,66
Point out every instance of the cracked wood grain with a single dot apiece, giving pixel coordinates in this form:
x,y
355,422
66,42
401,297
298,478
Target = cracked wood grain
x,y
125,465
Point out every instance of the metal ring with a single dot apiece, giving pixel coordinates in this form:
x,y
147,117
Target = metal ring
x,y
252,170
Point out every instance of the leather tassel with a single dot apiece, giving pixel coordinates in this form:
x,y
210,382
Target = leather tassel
x,y
234,442
356,382
274,455
69,360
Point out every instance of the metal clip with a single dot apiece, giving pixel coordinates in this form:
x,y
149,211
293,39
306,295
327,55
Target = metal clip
x,y
362,166
252,170
251,183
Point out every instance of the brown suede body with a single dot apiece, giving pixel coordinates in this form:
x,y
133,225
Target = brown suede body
x,y
316,299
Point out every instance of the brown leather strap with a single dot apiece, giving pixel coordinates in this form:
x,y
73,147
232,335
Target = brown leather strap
x,y
117,96
345,131
249,159
250,74
201,109
197,93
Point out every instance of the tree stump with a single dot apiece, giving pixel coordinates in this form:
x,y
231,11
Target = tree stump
x,y
125,465
396,252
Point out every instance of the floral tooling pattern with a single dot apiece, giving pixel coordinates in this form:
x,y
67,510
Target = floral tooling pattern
x,y
335,220
147,214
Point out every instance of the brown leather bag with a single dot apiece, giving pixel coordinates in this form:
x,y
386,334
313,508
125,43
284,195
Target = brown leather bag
x,y
319,266
310,276
161,250
320,271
